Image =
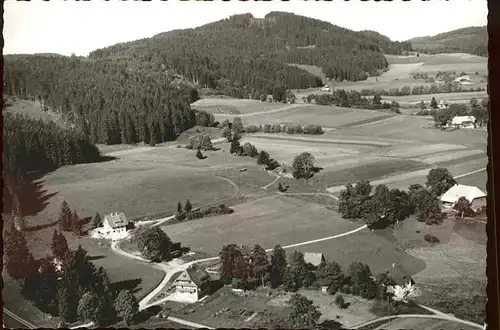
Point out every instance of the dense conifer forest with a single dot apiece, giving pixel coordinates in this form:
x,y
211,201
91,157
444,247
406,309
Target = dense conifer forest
x,y
109,101
252,54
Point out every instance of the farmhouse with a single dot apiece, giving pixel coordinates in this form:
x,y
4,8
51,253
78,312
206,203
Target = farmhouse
x,y
464,121
114,226
192,284
474,195
314,258
442,105
399,276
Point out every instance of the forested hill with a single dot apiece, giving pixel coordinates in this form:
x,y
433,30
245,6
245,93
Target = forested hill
x,y
244,55
107,100
472,40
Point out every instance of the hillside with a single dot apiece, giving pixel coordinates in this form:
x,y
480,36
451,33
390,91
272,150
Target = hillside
x,y
472,40
242,55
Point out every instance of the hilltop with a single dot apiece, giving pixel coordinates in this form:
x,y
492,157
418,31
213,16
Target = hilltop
x,y
472,40
244,55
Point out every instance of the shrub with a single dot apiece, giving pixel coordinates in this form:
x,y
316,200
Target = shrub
x,y
431,238
200,141
340,302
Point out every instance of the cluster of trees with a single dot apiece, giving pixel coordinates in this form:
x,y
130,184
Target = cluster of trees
x,y
153,243
353,99
188,213
200,141
242,56
289,129
69,220
249,270
421,90
112,101
382,206
36,145
66,284
303,166
475,108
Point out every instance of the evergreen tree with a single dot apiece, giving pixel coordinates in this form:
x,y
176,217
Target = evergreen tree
x,y
422,105
65,217
188,207
18,259
199,155
179,207
259,263
59,245
67,304
434,104
76,224
97,221
278,266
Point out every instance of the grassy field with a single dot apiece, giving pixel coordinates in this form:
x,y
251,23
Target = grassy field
x,y
35,111
306,114
230,106
401,67
267,221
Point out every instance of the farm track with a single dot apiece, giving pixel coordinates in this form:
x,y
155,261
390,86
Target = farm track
x,y
438,316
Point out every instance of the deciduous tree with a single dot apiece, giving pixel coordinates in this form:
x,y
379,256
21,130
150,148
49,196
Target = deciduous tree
x,y
155,245
303,315
90,307
263,158
330,274
303,166
127,306
439,180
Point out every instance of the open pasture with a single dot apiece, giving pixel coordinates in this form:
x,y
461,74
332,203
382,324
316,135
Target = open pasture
x,y
307,114
414,128
267,221
223,106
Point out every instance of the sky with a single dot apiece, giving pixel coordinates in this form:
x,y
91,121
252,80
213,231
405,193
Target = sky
x,y
67,27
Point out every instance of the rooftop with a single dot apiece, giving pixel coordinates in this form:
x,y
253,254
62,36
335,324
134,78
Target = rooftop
x,y
458,190
116,219
313,258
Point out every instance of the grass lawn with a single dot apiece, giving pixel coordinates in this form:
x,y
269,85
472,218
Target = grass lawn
x,y
267,221
477,179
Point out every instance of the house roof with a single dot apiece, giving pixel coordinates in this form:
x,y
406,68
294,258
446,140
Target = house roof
x,y
313,258
398,275
461,119
116,219
196,274
458,190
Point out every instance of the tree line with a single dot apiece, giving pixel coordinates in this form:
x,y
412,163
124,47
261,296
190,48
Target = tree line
x,y
289,129
422,90
353,99
108,100
241,56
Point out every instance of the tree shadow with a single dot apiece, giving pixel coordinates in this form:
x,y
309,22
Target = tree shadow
x,y
29,191
90,258
105,158
131,285
147,313
40,227
330,324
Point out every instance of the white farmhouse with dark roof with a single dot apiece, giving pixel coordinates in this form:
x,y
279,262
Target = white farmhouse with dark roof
x,y
114,226
474,195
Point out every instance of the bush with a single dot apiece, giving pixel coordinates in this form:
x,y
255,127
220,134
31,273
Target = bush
x,y
340,302
431,238
200,141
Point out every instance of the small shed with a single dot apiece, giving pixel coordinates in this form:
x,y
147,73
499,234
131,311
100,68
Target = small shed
x,y
314,258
